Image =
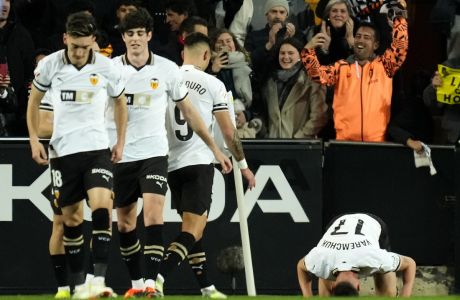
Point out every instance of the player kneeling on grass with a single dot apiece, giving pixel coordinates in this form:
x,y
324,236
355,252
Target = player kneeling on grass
x,y
355,245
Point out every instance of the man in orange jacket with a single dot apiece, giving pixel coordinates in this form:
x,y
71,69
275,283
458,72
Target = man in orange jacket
x,y
363,81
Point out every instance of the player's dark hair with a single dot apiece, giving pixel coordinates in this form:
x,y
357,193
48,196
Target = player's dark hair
x,y
136,3
345,289
140,18
181,7
371,26
80,24
196,38
188,25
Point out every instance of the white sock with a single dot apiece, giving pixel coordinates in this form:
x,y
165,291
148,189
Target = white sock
x,y
138,284
98,280
160,278
64,288
88,278
209,288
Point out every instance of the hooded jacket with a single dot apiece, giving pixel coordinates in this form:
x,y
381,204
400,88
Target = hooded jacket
x,y
362,94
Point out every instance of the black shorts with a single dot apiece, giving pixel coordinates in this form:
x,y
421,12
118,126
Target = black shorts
x,y
72,175
191,188
132,179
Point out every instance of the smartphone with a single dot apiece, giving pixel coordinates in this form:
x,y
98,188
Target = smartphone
x,y
4,69
223,52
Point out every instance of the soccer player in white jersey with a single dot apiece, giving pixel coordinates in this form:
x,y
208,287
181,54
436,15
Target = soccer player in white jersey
x,y
190,167
152,83
355,245
80,82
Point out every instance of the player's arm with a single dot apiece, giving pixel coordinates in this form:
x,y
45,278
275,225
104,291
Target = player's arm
x,y
407,266
121,120
38,151
193,118
304,279
45,123
234,145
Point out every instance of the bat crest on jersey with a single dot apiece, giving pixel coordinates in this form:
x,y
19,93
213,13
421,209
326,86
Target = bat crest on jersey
x,y
154,83
94,79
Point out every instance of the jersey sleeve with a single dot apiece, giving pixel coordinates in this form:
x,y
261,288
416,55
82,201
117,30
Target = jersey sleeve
x,y
219,95
46,103
43,74
390,262
116,81
176,88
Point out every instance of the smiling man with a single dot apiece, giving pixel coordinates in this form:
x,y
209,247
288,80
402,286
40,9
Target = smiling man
x,y
363,82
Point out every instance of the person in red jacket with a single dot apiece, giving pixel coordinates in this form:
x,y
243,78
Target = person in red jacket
x,y
363,81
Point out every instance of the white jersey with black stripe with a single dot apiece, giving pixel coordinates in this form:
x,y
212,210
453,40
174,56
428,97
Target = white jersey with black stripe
x,y
148,91
79,97
351,243
208,95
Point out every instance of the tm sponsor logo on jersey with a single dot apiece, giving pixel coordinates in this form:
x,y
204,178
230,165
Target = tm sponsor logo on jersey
x,y
79,97
345,246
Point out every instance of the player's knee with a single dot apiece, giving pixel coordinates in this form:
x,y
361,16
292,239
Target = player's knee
x,y
125,225
101,219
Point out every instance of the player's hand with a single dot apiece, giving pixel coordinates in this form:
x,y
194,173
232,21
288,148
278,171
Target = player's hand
x,y
224,161
436,81
38,152
117,152
249,176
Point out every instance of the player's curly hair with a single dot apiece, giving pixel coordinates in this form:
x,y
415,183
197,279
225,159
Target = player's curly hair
x,y
140,18
345,289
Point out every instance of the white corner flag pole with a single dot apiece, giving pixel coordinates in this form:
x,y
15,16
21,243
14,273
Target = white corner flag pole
x,y
249,272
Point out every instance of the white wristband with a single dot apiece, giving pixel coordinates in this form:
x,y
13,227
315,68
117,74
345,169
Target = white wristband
x,y
242,164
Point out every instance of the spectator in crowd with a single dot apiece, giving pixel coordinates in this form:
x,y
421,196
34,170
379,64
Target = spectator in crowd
x,y
366,11
337,30
445,17
17,60
361,111
245,129
260,43
189,25
449,113
338,263
193,24
295,105
124,7
176,12
236,15
231,65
